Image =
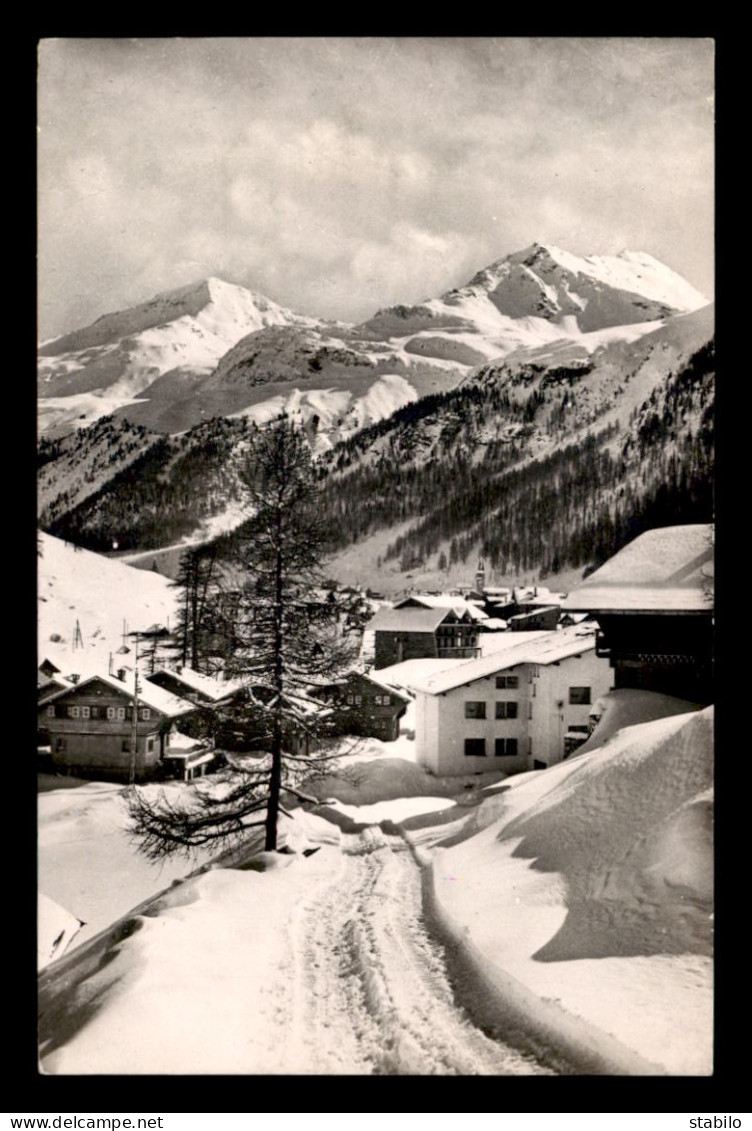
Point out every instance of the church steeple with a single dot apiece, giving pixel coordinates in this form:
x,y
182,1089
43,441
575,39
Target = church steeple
x,y
480,577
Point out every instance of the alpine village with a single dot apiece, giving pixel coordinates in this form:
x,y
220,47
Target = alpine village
x,y
418,609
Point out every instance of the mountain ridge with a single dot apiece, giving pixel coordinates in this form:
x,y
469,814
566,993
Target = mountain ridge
x,y
207,346
416,407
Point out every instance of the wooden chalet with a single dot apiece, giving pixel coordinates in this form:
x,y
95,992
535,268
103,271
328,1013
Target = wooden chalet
x,y
91,726
414,631
243,724
542,619
654,605
363,705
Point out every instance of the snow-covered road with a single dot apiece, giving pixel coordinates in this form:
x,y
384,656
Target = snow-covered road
x,y
368,988
345,978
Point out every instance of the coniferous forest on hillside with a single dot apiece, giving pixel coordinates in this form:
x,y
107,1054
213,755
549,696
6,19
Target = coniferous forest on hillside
x,y
460,467
576,506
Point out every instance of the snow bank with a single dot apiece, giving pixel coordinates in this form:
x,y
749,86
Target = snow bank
x,y
585,905
87,860
55,929
197,987
399,809
385,779
627,707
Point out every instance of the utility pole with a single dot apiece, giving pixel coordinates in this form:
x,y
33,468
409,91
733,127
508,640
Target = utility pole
x,y
134,723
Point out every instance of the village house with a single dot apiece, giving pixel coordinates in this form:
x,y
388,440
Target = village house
x,y
90,725
541,619
414,630
524,707
654,605
364,705
243,723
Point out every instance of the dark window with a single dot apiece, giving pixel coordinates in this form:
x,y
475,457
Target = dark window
x,y
60,744
507,682
475,710
506,747
579,696
126,746
475,747
506,710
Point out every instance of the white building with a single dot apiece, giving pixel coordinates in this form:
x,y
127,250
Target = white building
x,y
511,710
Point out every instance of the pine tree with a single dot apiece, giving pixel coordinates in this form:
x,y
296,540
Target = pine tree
x,y
286,639
198,579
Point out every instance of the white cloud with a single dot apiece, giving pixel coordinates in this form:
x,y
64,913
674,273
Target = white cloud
x,y
354,173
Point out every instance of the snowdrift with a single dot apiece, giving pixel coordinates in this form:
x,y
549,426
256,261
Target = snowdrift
x,y
585,906
55,929
385,778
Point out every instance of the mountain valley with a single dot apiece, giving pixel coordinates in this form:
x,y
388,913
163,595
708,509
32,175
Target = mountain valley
x,y
536,418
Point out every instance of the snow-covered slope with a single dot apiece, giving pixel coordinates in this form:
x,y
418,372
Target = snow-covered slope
x,y
185,331
611,376
102,597
586,903
579,918
329,415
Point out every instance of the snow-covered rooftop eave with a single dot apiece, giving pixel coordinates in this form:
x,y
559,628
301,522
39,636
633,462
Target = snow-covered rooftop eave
x,y
664,609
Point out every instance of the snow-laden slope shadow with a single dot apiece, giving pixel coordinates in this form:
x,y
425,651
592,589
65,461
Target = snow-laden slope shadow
x,y
630,834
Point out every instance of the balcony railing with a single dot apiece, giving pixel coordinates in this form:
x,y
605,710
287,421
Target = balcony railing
x,y
465,652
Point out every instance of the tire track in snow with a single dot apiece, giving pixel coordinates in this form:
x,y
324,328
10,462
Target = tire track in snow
x,y
371,993
332,1030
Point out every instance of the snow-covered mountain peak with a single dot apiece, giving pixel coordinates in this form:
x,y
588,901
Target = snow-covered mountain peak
x,y
212,342
544,282
186,330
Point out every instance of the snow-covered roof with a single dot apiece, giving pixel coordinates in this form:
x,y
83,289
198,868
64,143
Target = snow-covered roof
x,y
407,620
547,648
536,612
379,680
191,758
207,685
668,570
495,624
536,595
149,695
410,674
46,688
444,601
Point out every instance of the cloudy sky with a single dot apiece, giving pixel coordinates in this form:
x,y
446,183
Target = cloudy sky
x,y
338,175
